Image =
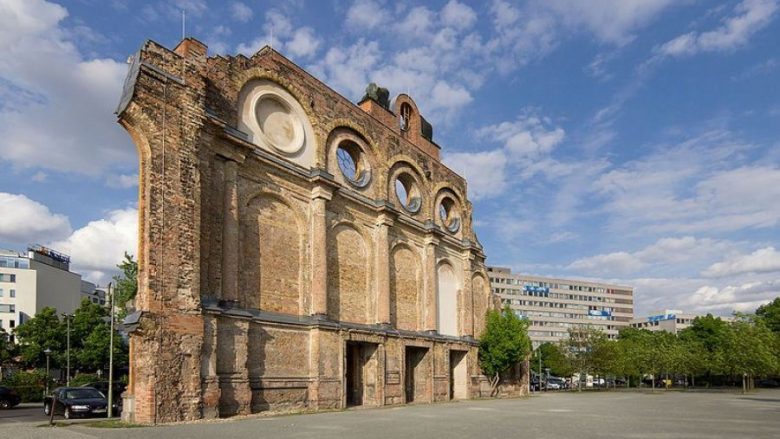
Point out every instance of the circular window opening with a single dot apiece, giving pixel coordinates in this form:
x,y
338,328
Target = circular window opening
x,y
280,127
352,163
449,218
408,193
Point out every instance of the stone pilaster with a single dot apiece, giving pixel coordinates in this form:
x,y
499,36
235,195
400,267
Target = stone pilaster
x,y
320,195
430,277
230,234
383,224
466,298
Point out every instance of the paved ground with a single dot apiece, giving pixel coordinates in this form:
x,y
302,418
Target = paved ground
x,y
554,415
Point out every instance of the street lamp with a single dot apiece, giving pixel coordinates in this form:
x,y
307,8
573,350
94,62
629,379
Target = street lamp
x,y
111,358
47,351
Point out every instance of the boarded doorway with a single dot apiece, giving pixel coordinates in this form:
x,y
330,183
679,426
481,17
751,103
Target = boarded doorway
x,y
415,374
361,374
458,375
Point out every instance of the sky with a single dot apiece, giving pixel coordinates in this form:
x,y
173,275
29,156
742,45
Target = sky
x,y
629,141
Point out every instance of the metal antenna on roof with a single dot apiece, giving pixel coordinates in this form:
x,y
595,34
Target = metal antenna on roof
x,y
183,23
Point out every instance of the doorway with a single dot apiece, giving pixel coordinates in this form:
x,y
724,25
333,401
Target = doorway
x,y
458,375
415,378
361,373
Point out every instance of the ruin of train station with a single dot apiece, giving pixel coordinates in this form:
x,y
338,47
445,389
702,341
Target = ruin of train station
x,y
296,250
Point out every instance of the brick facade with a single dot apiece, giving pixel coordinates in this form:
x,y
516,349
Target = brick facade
x,y
270,279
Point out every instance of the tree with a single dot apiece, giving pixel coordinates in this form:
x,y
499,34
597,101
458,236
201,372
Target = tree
x,y
503,344
127,284
44,331
580,349
7,349
750,349
770,314
553,359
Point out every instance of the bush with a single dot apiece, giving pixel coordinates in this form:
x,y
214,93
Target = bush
x,y
84,378
29,385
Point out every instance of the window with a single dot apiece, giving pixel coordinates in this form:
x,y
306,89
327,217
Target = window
x,y
407,192
11,323
1,292
353,164
12,293
406,116
448,215
4,277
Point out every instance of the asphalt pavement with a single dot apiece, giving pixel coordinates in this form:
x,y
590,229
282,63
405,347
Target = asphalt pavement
x,y
554,415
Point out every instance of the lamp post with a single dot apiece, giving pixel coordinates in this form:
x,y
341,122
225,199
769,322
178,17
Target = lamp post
x,y
47,351
111,358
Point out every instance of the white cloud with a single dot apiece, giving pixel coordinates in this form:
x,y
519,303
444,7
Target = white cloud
x,y
241,12
484,171
744,297
611,21
458,15
26,221
665,256
750,16
529,136
366,14
765,260
99,246
122,181
703,184
417,23
303,43
58,105
280,33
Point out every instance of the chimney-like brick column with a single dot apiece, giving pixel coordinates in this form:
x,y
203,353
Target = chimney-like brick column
x,y
319,252
467,298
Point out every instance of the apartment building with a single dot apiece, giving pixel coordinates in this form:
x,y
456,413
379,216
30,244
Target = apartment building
x,y
30,282
553,305
669,320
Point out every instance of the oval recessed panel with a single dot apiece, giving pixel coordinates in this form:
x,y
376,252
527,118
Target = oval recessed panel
x,y
278,124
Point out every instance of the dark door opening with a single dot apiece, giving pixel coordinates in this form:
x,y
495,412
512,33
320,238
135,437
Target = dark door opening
x,y
458,375
414,376
361,369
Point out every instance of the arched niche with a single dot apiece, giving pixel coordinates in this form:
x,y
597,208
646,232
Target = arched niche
x,y
447,299
275,121
405,288
271,255
347,275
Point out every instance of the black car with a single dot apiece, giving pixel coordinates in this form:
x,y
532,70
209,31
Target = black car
x,y
8,398
102,386
76,401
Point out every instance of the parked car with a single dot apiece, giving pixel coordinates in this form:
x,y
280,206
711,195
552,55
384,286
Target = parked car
x,y
556,383
76,401
768,383
8,398
102,386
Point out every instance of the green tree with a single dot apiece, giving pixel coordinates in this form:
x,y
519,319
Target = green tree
x,y
711,333
553,359
7,349
770,314
44,331
126,285
503,344
581,350
750,349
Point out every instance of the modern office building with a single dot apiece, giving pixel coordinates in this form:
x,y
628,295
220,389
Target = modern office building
x,y
28,283
669,320
553,305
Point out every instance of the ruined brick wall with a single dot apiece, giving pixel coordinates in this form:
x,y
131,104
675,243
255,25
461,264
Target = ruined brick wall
x,y
261,262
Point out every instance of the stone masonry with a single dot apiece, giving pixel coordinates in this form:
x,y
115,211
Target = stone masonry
x,y
296,251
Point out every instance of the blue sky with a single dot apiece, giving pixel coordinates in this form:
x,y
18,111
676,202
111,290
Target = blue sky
x,y
635,141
